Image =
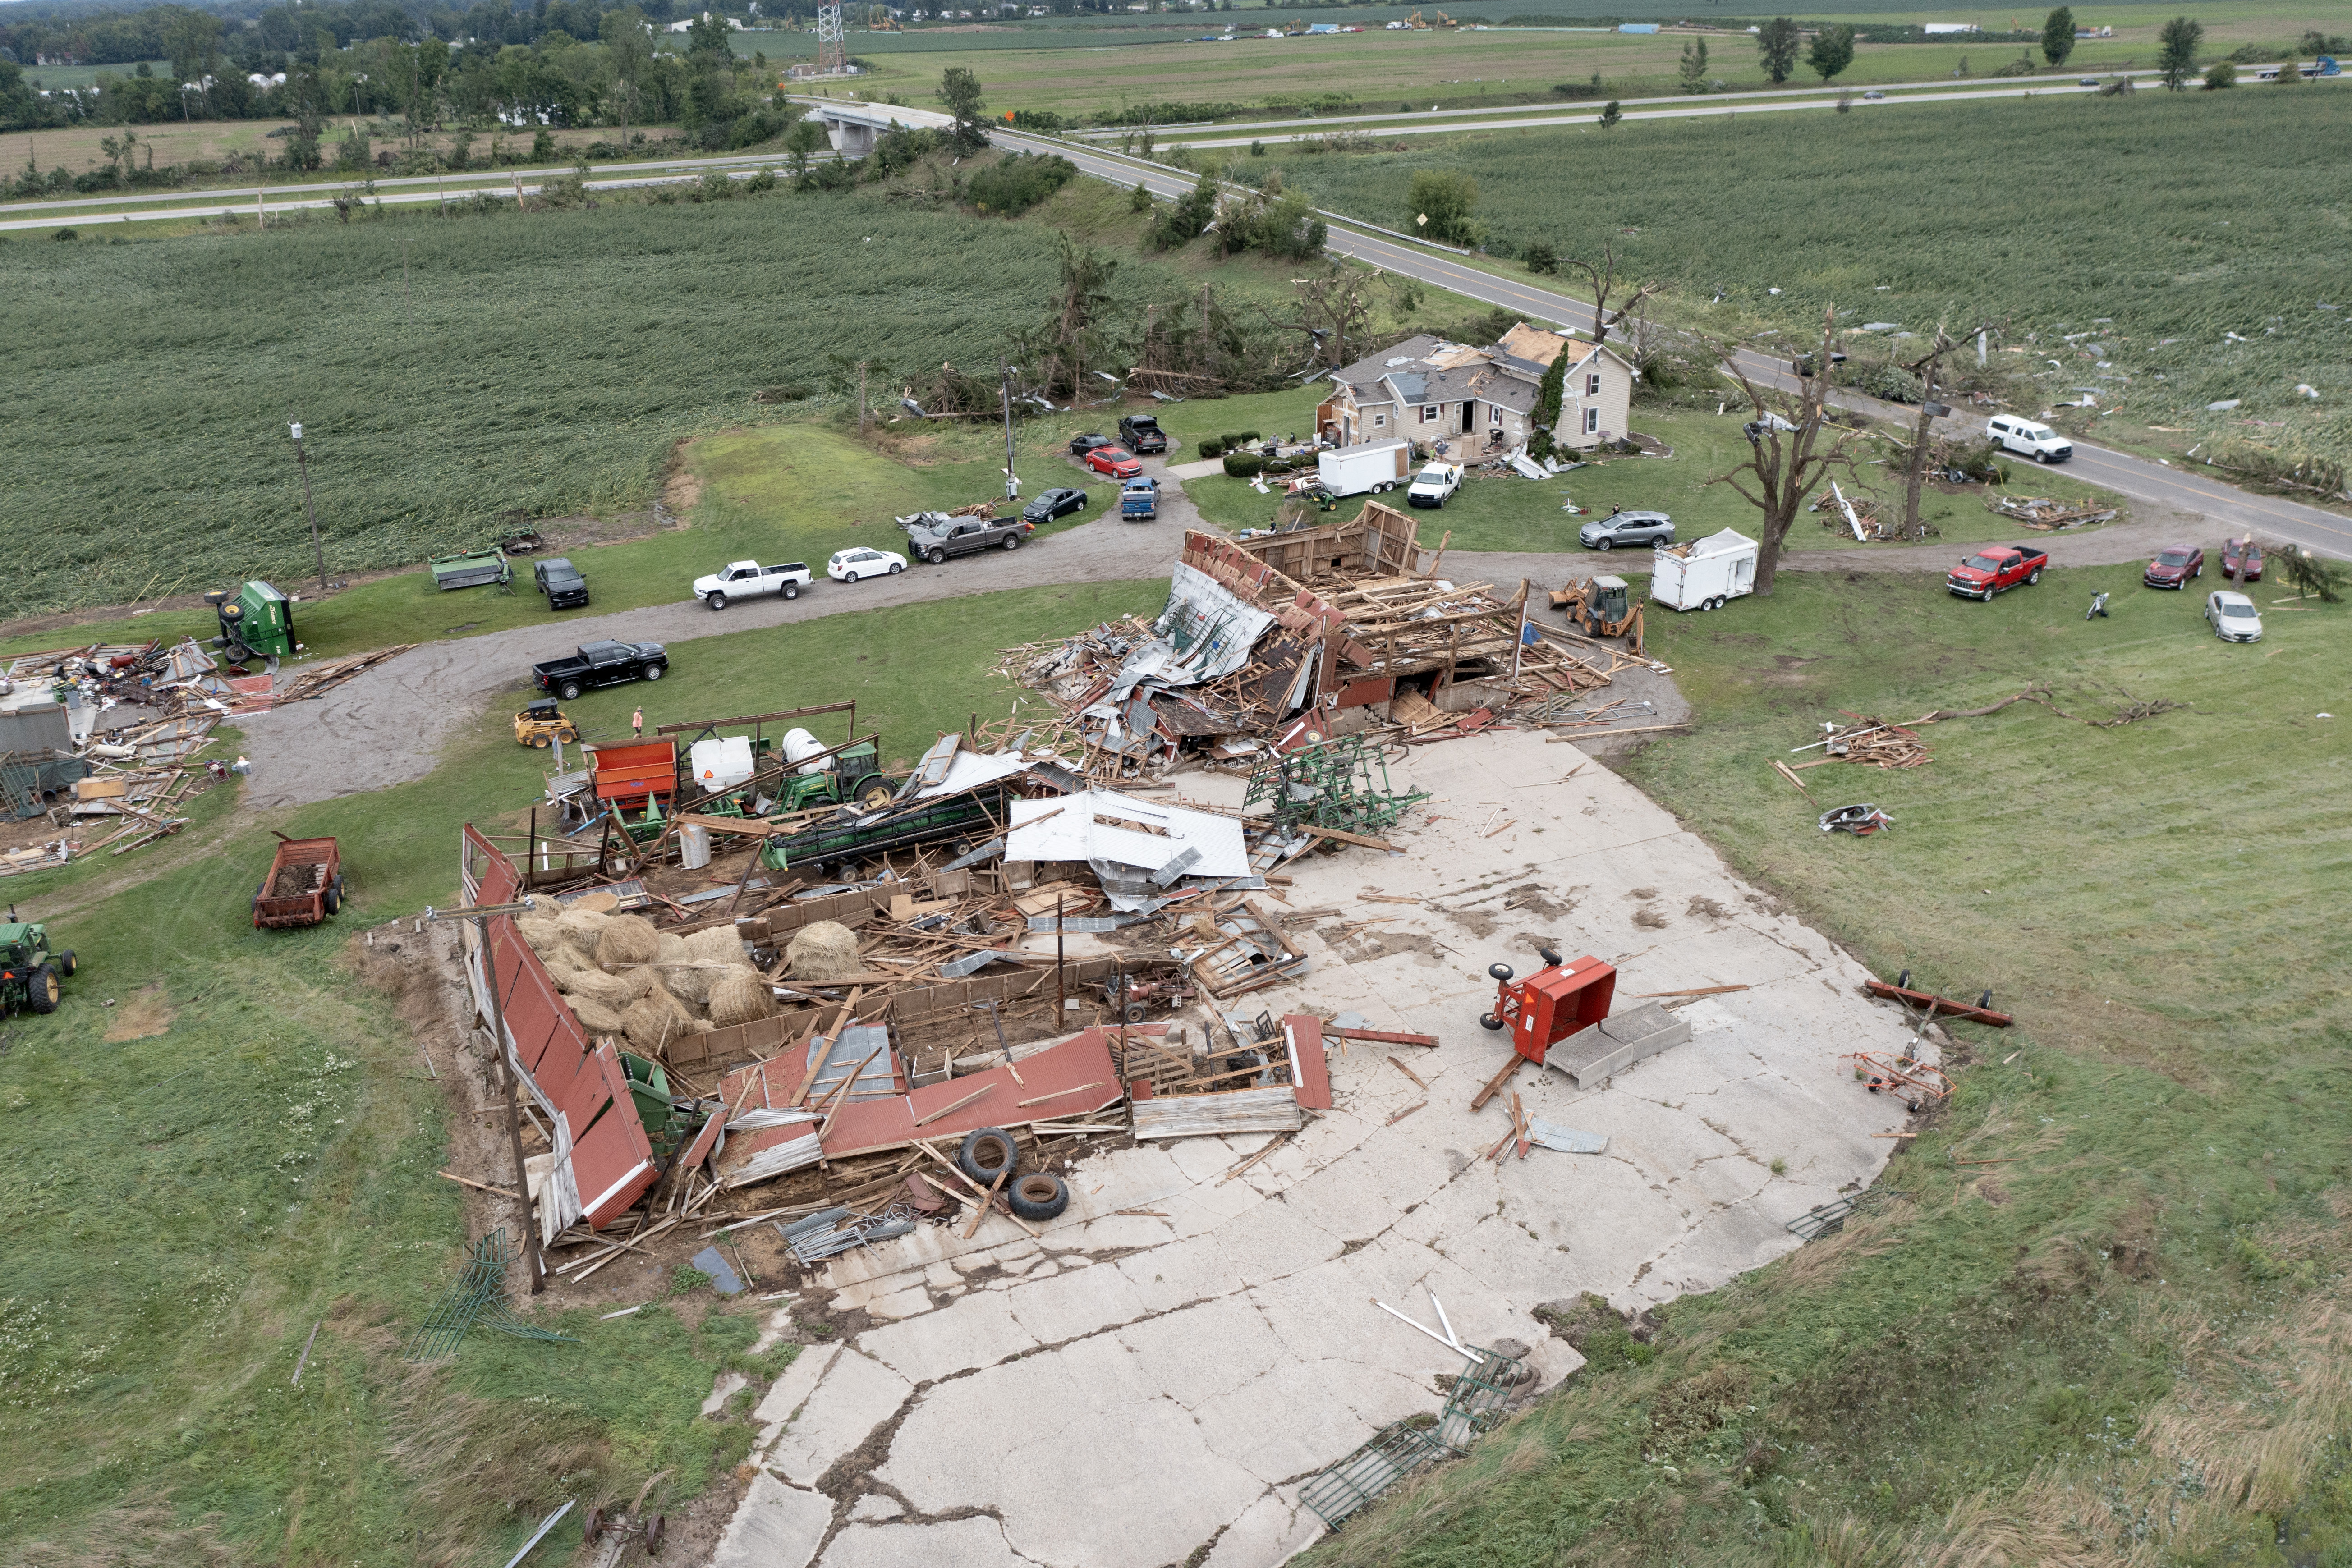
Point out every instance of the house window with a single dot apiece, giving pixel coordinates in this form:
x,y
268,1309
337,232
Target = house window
x,y
1592,422
1592,386
1380,422
1429,414
1494,415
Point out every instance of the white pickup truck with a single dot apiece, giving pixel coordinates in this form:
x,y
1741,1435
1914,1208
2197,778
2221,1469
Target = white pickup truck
x,y
1435,484
745,578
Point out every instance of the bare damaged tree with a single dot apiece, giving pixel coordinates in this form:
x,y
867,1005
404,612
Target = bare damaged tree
x,y
1787,459
1601,276
1334,310
1927,368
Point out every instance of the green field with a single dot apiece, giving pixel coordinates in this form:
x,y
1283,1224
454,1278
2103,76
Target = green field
x,y
2157,254
536,365
186,1206
2122,1343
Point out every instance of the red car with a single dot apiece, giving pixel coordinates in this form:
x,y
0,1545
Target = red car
x,y
2243,559
2174,566
1114,460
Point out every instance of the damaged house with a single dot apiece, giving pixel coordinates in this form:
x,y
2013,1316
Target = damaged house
x,y
1426,389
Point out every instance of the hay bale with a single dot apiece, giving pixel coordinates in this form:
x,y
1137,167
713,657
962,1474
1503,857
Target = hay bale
x,y
642,981
612,991
559,960
544,935
740,996
627,940
595,1017
673,949
653,1020
717,945
823,950
581,927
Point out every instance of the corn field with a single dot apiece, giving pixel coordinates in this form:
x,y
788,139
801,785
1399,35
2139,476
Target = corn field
x,y
445,372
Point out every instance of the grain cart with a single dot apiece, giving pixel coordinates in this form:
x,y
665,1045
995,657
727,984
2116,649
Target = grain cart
x,y
256,623
29,972
304,887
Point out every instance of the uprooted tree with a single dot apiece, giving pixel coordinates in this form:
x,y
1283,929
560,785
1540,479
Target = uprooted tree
x,y
1792,447
1057,352
1333,310
1599,275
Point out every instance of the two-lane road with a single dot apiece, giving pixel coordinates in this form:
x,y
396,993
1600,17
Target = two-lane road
x,y
2137,479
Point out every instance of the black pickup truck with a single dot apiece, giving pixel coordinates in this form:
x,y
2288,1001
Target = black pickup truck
x,y
935,541
601,664
1142,435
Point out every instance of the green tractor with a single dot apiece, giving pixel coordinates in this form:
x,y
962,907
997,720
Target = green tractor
x,y
257,624
850,776
29,972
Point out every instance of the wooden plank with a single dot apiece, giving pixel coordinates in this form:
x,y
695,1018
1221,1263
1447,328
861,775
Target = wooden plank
x,y
1310,1075
1381,1037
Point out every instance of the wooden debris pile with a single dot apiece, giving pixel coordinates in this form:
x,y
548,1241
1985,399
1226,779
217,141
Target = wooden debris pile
x,y
2047,514
1870,741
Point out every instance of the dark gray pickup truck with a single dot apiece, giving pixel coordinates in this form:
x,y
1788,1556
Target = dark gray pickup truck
x,y
601,664
935,540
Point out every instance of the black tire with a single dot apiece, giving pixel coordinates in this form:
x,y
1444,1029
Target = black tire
x,y
987,1154
1606,543
1498,972
1012,541
41,992
540,741
935,557
569,691
1903,981
1037,1197
656,672
849,577
792,591
332,901
67,965
1135,1012
2033,577
716,602
1488,1021
896,568
568,736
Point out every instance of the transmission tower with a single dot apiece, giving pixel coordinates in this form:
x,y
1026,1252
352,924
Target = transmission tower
x,y
831,53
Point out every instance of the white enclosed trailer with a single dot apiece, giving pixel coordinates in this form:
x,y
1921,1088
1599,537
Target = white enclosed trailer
x,y
1704,573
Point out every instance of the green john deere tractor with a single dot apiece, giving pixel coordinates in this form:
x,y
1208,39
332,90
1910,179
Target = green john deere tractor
x,y
257,624
29,972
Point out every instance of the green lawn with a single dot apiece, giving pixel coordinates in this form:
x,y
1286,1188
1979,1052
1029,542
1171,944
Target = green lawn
x,y
188,1205
2102,1338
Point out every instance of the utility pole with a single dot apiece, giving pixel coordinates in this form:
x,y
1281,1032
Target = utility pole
x,y
1004,396
482,914
302,460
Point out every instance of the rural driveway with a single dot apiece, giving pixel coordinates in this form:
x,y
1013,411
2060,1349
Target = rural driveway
x,y
387,725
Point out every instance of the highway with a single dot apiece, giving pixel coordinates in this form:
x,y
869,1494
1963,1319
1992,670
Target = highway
x,y
2136,478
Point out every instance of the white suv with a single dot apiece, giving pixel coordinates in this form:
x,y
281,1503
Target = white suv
x,y
2023,436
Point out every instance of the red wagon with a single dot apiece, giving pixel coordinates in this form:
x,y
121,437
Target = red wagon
x,y
304,887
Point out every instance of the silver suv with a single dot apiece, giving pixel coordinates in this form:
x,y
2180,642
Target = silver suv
x,y
1623,528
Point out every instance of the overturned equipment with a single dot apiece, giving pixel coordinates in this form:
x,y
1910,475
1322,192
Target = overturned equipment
x,y
1339,784
1560,1017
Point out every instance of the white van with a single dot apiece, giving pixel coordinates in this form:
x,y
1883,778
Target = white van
x,y
2028,439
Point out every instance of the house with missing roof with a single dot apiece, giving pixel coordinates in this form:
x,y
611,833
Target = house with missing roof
x,y
1427,390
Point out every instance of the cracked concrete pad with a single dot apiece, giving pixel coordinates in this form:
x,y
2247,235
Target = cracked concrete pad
x,y
729,1383
1134,1485
876,1506
786,1394
776,1526
976,1543
1193,1381
976,1330
1276,1528
855,1394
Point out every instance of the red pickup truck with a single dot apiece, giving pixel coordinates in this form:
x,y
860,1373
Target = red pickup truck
x,y
1994,568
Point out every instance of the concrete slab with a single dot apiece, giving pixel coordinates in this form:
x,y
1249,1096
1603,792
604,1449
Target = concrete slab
x,y
950,1544
1202,1361
855,1394
776,1526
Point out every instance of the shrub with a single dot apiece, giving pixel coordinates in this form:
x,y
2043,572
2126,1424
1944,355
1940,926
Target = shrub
x,y
1540,257
1213,447
1233,443
543,143
1244,465
1013,185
